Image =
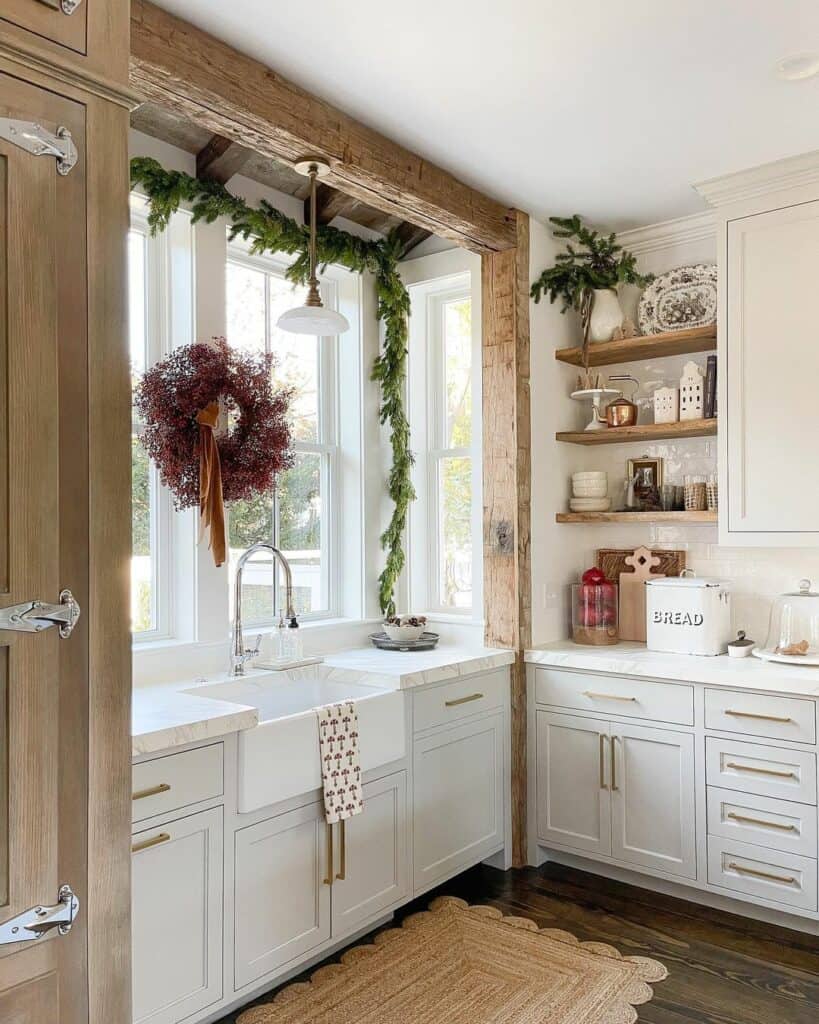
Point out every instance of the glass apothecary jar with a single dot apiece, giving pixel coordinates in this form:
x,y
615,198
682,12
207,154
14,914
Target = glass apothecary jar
x,y
793,631
594,613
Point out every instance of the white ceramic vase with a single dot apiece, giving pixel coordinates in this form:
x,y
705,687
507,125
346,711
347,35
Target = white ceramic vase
x,y
606,315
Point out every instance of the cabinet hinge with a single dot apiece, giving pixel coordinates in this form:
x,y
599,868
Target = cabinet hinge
x,y
33,138
69,6
38,921
35,616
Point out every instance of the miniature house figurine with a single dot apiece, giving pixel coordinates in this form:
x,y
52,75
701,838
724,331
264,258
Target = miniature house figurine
x,y
666,405
692,392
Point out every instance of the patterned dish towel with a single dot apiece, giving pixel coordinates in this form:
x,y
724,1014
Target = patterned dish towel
x,y
340,763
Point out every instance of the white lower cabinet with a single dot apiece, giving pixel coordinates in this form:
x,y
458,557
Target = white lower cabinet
x,y
457,798
617,790
281,902
176,918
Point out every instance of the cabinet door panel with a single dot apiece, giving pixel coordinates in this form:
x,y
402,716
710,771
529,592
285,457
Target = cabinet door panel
x,y
376,865
47,19
176,918
573,802
458,799
282,906
772,269
652,797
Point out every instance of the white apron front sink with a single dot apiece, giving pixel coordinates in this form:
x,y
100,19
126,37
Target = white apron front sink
x,y
279,758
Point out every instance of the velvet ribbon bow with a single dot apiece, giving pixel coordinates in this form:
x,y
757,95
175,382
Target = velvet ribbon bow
x,y
211,501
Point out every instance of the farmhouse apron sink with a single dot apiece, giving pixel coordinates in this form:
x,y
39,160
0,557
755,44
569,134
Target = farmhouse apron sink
x,y
279,758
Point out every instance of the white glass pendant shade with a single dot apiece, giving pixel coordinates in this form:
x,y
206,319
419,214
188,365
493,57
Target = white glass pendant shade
x,y
313,320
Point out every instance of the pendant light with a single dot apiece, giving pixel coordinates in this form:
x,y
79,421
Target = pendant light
x,y
313,317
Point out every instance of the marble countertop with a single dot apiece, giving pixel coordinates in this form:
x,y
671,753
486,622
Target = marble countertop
x,y
631,659
165,716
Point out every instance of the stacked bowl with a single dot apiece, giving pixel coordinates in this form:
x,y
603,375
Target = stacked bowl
x,y
590,492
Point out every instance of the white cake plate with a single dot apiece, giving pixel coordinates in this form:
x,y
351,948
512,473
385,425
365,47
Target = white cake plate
x,y
595,396
766,654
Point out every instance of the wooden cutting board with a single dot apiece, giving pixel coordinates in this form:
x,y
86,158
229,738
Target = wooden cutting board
x,y
633,593
613,561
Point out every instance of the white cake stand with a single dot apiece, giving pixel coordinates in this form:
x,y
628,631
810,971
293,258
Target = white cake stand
x,y
595,396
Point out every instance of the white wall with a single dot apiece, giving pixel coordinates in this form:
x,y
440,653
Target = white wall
x,y
560,553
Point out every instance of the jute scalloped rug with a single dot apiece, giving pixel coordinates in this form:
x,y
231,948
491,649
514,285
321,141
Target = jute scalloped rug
x,y
458,964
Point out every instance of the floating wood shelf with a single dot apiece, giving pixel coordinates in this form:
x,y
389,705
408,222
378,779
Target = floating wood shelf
x,y
649,346
648,432
691,518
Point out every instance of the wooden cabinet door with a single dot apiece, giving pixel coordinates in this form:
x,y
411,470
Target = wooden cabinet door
x,y
652,799
176,918
573,771
372,864
51,20
282,891
457,798
43,548
770,357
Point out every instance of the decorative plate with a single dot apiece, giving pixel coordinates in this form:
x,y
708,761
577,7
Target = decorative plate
x,y
681,298
806,660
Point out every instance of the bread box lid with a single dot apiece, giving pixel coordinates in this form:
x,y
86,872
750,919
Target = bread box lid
x,y
685,581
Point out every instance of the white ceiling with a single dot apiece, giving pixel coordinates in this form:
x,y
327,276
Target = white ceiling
x,y
607,109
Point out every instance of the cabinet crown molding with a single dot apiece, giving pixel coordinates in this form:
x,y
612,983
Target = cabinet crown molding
x,y
792,172
669,233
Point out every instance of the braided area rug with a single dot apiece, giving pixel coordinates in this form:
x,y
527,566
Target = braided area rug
x,y
461,964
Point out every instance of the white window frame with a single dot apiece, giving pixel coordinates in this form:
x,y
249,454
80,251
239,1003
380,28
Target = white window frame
x,y
168,324
329,446
426,393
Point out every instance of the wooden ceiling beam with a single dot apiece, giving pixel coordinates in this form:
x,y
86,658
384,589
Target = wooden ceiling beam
x,y
185,70
410,235
220,159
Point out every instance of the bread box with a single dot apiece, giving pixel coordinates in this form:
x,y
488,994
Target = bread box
x,y
688,615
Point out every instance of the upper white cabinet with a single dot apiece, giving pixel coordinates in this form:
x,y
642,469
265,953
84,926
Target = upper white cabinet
x,y
769,366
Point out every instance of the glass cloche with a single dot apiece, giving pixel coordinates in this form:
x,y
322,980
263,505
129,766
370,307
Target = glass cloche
x,y
793,632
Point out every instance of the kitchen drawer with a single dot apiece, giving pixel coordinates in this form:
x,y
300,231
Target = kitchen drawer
x,y
766,874
760,714
168,783
768,771
616,695
48,20
774,824
442,705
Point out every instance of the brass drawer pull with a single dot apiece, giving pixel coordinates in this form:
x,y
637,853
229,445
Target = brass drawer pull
x,y
463,700
146,844
761,718
608,696
761,771
603,739
613,751
744,820
342,863
140,794
786,879
328,880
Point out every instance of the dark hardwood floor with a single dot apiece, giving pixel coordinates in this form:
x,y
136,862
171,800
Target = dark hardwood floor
x,y
722,969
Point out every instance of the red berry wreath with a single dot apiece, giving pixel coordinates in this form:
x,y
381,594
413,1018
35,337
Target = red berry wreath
x,y
172,398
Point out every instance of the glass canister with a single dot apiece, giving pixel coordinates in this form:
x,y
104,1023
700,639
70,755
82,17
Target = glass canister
x,y
793,631
594,610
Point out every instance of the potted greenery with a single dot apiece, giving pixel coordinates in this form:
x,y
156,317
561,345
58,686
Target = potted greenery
x,y
586,279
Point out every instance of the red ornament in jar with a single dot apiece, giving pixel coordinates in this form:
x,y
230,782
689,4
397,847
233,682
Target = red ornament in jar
x,y
594,609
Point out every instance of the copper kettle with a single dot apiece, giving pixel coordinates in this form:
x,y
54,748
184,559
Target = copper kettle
x,y
622,412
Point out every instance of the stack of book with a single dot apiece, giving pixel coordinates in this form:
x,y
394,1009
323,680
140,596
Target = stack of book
x,y
710,390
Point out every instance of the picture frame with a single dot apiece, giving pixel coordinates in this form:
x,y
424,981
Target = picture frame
x,y
654,465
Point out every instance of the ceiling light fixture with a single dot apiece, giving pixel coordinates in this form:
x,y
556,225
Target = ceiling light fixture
x,y
313,317
798,67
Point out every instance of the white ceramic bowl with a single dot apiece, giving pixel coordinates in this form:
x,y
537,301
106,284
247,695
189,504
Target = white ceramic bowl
x,y
590,485
402,634
589,504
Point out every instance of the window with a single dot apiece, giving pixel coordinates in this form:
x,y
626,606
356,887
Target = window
x,y
299,517
445,561
159,317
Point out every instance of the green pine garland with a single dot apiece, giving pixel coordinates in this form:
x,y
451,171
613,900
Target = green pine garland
x,y
269,230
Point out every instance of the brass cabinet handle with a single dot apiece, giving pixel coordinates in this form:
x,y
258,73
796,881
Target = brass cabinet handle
x,y
329,877
761,771
613,753
608,696
603,739
787,879
462,700
743,819
342,863
761,718
140,794
146,844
